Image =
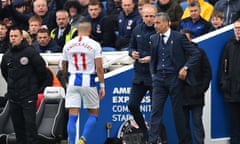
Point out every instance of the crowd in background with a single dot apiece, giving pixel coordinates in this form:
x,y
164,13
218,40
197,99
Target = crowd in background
x,y
49,24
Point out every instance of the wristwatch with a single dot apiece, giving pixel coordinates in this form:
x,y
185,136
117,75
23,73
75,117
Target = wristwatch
x,y
185,68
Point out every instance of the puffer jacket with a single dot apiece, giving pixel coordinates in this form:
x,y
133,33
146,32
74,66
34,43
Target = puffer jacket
x,y
24,71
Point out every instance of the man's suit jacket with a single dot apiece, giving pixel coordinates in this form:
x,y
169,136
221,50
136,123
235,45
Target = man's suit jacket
x,y
179,47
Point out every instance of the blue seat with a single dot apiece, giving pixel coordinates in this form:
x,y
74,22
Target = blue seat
x,y
108,49
104,5
184,5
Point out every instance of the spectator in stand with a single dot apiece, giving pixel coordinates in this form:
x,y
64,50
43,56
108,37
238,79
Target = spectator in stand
x,y
4,3
45,44
4,41
230,9
7,15
84,6
114,8
216,20
40,8
127,20
229,81
15,11
73,9
34,24
18,9
195,23
28,5
173,9
96,16
140,5
206,9
101,31
64,32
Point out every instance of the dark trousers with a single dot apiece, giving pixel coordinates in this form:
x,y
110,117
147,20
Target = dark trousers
x,y
164,86
234,108
197,125
138,91
24,121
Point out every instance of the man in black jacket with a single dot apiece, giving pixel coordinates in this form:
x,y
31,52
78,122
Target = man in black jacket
x,y
194,96
139,50
25,73
230,81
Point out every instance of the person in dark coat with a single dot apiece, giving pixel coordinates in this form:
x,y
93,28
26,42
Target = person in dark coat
x,y
170,70
194,96
96,15
44,43
25,73
4,42
73,7
229,80
173,9
127,20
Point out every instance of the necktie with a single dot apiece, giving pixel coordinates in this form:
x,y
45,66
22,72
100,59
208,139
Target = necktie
x,y
162,39
60,33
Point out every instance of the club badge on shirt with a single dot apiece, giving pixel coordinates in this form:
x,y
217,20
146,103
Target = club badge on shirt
x,y
24,60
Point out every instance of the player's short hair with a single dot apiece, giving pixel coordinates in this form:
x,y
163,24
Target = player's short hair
x,y
84,26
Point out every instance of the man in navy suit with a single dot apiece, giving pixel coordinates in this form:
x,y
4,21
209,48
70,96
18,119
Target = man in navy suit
x,y
170,70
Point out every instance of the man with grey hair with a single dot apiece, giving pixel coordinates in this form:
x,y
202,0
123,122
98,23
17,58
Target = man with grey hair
x,y
40,8
170,70
64,31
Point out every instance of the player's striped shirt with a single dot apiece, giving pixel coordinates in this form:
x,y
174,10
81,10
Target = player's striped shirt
x,y
81,53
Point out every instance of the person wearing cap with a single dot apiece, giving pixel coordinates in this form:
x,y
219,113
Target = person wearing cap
x,y
19,8
13,14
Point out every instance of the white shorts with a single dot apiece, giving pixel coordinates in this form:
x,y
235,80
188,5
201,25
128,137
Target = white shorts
x,y
75,94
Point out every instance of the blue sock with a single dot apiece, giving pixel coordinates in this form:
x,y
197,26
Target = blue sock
x,y
71,127
89,126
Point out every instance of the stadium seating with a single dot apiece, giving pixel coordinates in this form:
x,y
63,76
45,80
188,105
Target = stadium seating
x,y
50,116
6,126
108,49
49,119
184,5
